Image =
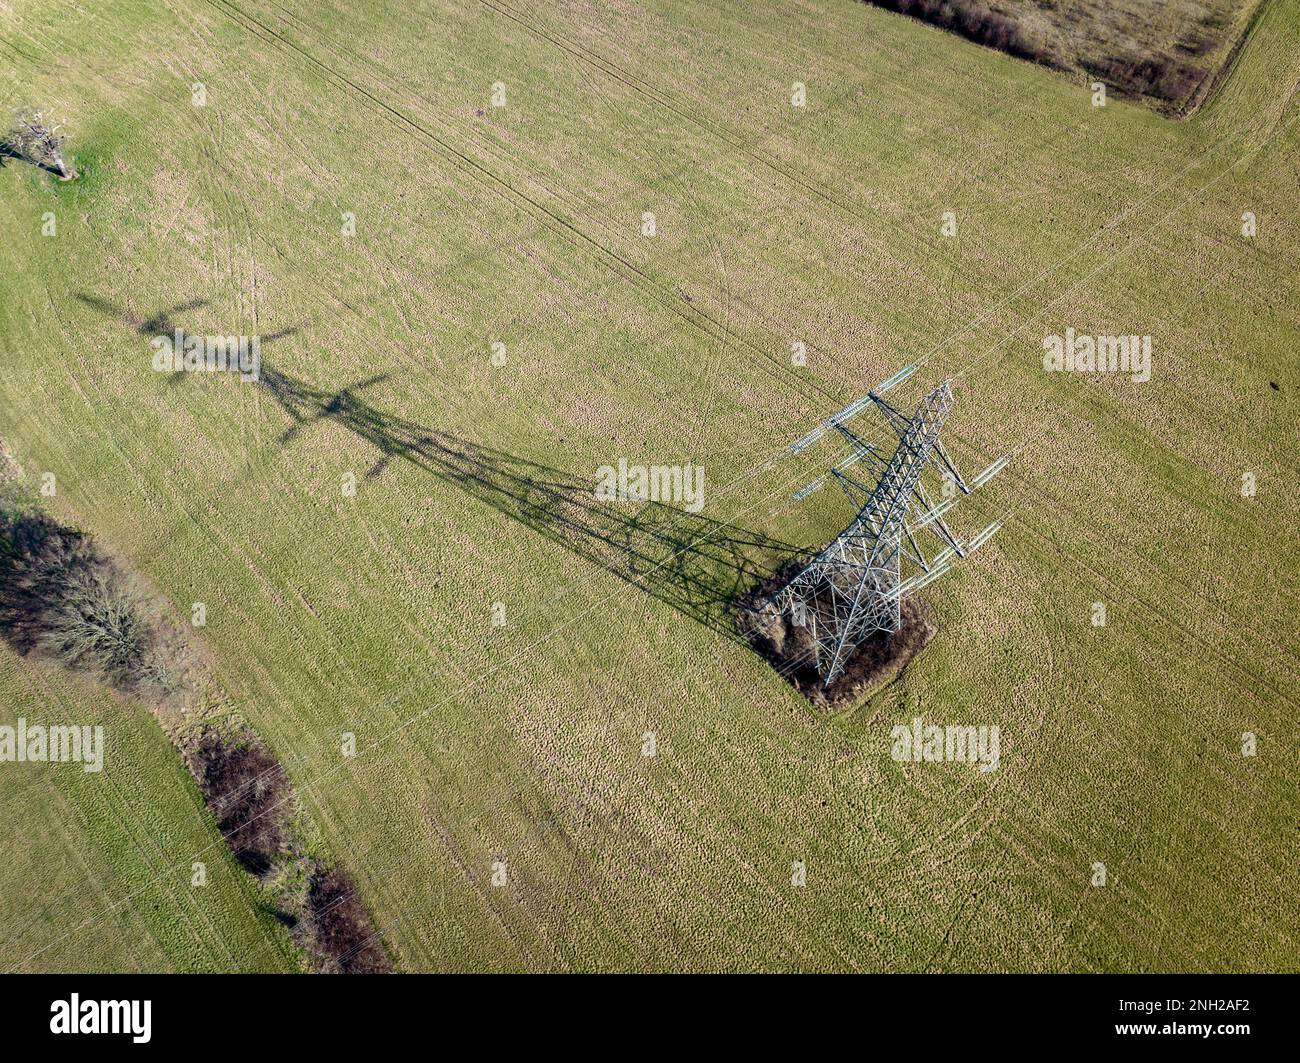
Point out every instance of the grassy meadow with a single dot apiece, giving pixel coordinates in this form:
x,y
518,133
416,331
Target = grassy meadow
x,y
99,866
499,813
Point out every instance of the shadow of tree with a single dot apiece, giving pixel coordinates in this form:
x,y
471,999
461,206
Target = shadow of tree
x,y
697,565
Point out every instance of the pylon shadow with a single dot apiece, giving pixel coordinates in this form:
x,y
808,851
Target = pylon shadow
x,y
698,565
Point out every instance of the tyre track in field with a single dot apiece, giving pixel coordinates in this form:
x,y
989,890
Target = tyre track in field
x,y
1142,649
1000,826
649,287
942,848
592,820
599,811
144,841
236,247
1080,402
662,99
926,253
638,84
180,500
672,306
1183,585
1235,633
496,151
505,918
590,209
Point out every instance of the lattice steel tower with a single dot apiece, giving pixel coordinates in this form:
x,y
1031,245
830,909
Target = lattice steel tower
x,y
854,588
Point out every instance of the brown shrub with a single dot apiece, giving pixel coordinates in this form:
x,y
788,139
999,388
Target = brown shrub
x,y
251,798
248,793
972,20
342,934
1162,77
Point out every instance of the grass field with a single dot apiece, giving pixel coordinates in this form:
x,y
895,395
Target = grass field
x,y
521,746
99,866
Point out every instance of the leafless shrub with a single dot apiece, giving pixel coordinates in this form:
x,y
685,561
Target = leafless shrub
x,y
248,793
96,625
972,20
60,596
252,800
342,934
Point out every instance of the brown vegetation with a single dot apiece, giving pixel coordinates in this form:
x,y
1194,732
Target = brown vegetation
x,y
342,934
1168,61
790,649
247,790
35,140
254,804
1162,77
974,21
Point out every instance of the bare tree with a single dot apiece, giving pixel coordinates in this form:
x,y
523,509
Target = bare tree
x,y
34,140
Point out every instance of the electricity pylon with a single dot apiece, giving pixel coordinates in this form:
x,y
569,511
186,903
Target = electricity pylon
x,y
854,587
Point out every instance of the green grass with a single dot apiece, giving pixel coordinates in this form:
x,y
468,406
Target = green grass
x,y
99,873
372,614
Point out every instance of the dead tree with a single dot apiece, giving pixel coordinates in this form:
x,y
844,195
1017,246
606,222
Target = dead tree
x,y
37,142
